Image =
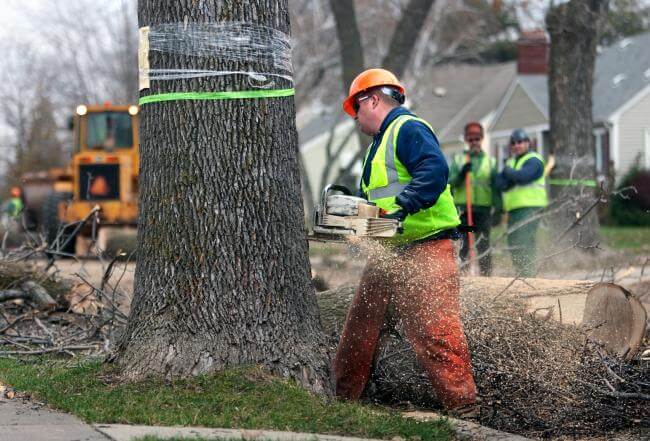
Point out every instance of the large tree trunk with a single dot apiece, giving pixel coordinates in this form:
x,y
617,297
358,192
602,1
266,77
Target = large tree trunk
x,y
223,274
574,28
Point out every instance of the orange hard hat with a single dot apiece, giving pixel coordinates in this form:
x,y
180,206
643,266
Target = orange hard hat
x,y
366,80
15,192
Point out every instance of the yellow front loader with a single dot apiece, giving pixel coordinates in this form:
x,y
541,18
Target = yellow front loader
x,y
102,176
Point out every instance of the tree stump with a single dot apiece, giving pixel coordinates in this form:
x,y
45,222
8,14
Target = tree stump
x,y
615,318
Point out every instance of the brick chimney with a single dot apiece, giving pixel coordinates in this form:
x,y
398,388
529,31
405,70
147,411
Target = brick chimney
x,y
532,53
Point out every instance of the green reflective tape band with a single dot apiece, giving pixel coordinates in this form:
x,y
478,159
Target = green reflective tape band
x,y
573,182
236,95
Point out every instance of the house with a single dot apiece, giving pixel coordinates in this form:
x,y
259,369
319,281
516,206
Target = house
x,y
621,104
448,96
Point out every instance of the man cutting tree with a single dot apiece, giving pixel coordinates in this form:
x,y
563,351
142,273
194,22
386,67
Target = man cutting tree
x,y
405,174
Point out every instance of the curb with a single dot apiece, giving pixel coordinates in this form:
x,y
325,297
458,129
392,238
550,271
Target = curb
x,y
125,432
464,430
467,430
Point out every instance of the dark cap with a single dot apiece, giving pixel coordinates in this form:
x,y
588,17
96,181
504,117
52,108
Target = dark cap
x,y
518,135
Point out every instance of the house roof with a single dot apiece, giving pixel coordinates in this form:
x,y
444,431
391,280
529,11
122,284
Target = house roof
x,y
536,86
447,96
471,92
622,70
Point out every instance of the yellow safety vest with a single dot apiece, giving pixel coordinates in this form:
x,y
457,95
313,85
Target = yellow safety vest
x,y
529,195
480,180
389,177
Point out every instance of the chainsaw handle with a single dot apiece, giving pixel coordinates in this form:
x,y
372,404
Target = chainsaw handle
x,y
335,187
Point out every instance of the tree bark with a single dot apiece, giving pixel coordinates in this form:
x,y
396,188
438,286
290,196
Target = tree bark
x,y
223,274
574,28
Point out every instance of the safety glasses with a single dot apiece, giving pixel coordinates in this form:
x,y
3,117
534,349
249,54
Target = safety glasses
x,y
357,102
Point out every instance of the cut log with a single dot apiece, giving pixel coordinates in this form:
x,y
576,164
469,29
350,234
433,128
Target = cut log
x,y
537,292
614,317
32,292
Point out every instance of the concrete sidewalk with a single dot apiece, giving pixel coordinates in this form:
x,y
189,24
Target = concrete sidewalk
x,y
23,420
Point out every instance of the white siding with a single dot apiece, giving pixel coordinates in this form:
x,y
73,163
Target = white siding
x,y
519,111
632,127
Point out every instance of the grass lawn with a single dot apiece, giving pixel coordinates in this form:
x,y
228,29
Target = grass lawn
x,y
238,398
634,239
617,238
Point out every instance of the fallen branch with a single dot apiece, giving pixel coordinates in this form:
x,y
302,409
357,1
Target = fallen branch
x,y
49,350
32,292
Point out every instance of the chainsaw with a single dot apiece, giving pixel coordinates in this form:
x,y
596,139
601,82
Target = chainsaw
x,y
340,215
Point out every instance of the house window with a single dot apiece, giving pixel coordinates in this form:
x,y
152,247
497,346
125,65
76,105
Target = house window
x,y
601,151
647,149
598,144
502,151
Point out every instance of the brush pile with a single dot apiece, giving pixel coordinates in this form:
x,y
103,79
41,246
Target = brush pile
x,y
536,377
41,314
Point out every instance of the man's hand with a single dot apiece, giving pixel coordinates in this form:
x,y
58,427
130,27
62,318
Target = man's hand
x,y
508,172
400,215
467,167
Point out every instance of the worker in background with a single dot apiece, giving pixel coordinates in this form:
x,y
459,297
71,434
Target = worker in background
x,y
523,185
405,174
485,201
13,208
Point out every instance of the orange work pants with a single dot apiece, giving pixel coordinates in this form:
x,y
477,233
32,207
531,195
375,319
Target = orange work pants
x,y
423,284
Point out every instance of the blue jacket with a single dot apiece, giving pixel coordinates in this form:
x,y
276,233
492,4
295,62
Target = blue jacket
x,y
531,170
418,149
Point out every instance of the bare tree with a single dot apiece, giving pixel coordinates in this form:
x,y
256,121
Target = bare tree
x,y
350,48
92,48
574,28
223,275
405,36
28,114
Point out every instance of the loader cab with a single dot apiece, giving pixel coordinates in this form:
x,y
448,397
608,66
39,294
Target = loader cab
x,y
106,128
105,158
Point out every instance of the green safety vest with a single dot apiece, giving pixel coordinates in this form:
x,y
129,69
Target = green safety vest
x,y
529,195
15,207
389,177
480,181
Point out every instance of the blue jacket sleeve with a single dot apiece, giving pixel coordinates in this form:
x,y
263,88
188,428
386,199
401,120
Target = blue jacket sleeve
x,y
502,183
531,170
418,149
